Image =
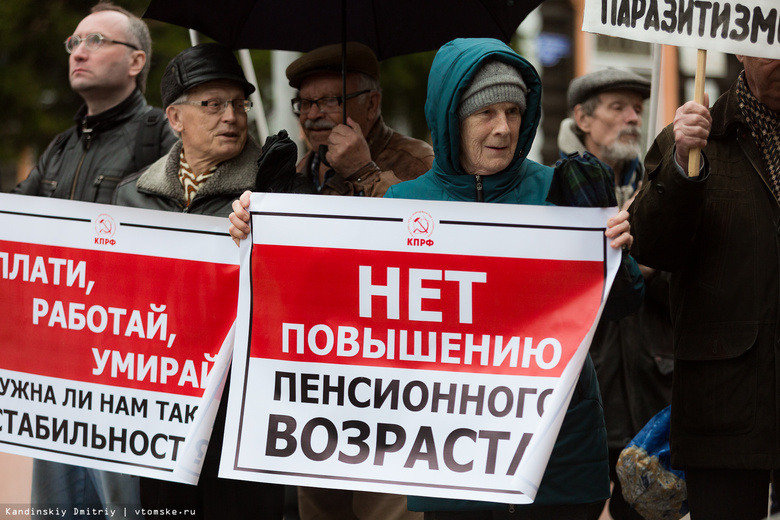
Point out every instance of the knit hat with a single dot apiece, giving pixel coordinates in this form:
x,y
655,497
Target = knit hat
x,y
359,58
496,82
583,88
199,64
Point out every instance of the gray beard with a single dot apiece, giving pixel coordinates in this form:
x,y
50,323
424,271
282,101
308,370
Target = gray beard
x,y
622,151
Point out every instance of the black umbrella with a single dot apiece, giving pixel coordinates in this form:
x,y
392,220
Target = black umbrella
x,y
389,27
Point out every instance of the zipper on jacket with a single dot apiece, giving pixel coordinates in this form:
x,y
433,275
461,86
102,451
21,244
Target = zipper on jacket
x,y
480,193
87,136
100,180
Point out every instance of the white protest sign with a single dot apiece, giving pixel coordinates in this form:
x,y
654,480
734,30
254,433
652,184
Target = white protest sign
x,y
116,331
410,347
748,27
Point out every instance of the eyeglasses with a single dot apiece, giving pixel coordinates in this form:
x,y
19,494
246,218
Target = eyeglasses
x,y
324,104
93,42
217,106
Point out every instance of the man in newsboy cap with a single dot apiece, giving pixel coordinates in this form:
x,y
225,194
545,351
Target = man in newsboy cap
x,y
606,120
362,155
204,94
359,156
632,355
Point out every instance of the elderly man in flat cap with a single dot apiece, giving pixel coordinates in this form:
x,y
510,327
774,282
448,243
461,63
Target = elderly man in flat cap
x,y
633,355
362,155
204,93
606,108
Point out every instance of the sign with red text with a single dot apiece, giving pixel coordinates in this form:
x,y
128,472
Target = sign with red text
x,y
410,347
747,27
115,334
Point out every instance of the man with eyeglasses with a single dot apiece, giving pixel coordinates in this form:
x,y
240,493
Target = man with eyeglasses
x,y
116,133
359,156
205,97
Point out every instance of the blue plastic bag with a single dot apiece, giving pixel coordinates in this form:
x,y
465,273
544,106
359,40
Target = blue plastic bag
x,y
650,485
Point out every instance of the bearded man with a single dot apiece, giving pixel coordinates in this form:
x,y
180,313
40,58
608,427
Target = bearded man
x,y
606,108
632,355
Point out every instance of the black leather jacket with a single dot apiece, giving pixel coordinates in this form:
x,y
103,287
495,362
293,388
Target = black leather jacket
x,y
88,160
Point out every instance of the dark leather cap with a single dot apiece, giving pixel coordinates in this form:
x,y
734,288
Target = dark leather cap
x,y
360,58
199,64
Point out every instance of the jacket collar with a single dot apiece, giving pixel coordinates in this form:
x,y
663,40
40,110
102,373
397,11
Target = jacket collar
x,y
231,177
726,113
378,137
568,140
112,117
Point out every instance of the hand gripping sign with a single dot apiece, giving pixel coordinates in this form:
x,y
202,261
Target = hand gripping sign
x,y
115,334
410,347
747,27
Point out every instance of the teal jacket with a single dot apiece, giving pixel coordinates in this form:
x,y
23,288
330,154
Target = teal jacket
x,y
578,470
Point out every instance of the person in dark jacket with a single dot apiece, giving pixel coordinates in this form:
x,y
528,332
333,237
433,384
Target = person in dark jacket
x,y
116,133
717,233
483,109
632,355
205,95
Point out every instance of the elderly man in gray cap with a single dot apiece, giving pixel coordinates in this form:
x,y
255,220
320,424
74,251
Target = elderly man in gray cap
x,y
204,93
633,355
606,120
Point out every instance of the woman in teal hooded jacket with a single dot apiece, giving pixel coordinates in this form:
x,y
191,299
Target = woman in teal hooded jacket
x,y
461,98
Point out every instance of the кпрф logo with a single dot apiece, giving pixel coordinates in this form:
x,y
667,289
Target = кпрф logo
x,y
420,226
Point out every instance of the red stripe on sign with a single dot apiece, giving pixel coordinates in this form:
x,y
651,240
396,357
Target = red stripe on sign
x,y
50,326
427,311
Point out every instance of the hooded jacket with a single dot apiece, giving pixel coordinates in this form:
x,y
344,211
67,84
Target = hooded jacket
x,y
577,472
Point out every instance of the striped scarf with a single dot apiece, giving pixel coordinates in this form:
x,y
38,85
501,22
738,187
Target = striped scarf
x,y
190,180
764,126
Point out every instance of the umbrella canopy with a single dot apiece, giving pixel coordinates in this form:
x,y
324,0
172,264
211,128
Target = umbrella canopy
x,y
389,27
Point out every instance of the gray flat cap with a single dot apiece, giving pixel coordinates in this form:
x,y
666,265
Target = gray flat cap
x,y
359,58
589,85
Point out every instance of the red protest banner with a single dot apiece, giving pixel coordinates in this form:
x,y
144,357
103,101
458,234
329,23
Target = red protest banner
x,y
115,333
498,304
410,347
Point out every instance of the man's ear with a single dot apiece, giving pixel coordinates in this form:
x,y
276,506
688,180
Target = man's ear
x,y
581,119
174,118
374,105
137,63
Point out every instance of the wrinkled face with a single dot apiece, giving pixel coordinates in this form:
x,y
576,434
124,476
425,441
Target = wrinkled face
x,y
763,78
614,129
317,124
108,67
488,138
215,137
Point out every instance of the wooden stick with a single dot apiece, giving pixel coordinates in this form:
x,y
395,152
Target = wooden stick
x,y
694,156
